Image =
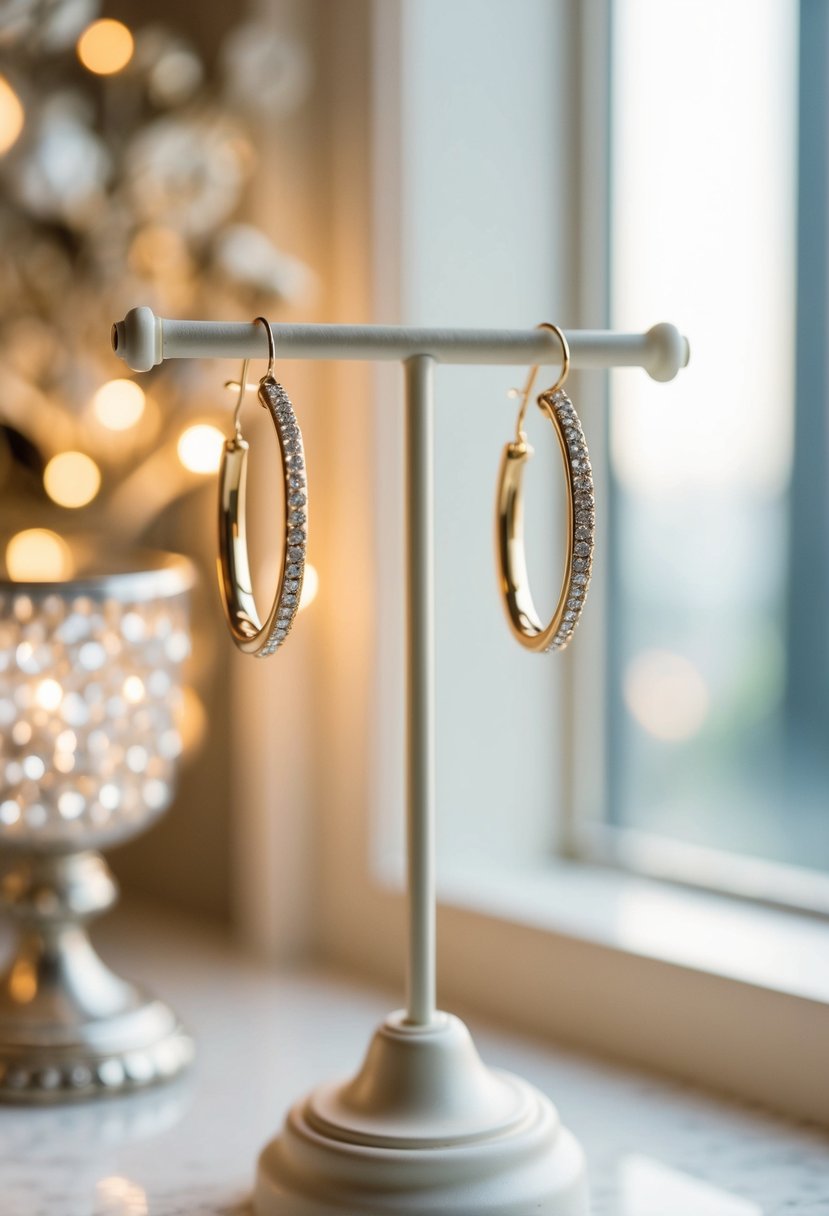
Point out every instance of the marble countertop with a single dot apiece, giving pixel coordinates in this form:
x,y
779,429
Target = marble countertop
x,y
654,1148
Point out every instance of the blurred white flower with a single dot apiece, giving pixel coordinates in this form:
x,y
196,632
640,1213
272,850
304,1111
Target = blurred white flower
x,y
172,68
51,24
62,173
265,71
16,19
187,173
247,257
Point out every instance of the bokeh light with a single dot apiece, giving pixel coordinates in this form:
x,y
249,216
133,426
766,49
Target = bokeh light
x,y
200,448
118,1194
134,689
666,695
191,720
38,555
12,115
48,694
105,47
72,479
158,250
23,981
119,404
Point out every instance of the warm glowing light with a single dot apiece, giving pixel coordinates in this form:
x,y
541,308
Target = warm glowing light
x,y
22,732
105,47
71,804
133,689
66,741
48,694
157,249
11,115
33,767
23,982
72,479
666,694
9,813
118,1194
200,448
191,720
38,555
119,404
310,586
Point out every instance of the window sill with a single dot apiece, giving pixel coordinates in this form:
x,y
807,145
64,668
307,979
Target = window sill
x,y
778,950
713,990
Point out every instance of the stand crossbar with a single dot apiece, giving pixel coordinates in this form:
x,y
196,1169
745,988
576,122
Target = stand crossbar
x,y
144,340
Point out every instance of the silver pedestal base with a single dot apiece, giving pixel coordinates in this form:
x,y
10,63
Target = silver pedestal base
x,y
69,1027
152,1047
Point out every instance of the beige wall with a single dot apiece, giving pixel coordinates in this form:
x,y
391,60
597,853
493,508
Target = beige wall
x,y
190,859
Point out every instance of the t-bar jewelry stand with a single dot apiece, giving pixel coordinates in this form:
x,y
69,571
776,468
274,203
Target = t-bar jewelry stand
x,y
424,1129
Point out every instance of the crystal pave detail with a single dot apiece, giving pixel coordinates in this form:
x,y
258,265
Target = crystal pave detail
x,y
525,622
274,398
583,525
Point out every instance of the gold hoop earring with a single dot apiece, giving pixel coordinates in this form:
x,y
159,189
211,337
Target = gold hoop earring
x,y
522,615
249,632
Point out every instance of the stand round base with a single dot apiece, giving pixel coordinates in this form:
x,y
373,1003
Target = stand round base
x,y
424,1129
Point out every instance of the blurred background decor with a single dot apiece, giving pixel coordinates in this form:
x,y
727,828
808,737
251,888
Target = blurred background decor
x,y
90,701
129,139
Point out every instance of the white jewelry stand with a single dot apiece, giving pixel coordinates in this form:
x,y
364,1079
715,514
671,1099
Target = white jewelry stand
x,y
424,1128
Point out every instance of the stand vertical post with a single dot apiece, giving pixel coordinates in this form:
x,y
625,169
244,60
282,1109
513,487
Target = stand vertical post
x,y
420,687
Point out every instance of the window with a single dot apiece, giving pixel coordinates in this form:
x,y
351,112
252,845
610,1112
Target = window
x,y
717,681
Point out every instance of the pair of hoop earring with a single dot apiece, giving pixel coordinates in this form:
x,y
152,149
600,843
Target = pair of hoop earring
x,y
522,615
261,638
249,631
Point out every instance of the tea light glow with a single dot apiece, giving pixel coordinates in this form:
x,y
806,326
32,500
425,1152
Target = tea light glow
x,y
119,404
72,479
38,555
12,116
105,47
200,448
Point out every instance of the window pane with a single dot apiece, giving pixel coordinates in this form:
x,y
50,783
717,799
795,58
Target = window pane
x,y
485,95
718,729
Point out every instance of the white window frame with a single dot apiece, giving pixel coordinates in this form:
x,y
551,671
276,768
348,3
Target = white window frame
x,y
586,836
571,950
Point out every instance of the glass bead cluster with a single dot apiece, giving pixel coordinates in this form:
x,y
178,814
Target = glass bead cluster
x,y
90,690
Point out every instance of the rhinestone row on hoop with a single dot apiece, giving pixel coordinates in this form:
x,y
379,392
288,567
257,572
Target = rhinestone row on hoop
x,y
274,398
584,515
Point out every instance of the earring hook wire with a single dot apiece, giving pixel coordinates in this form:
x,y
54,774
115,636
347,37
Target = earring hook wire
x,y
240,400
271,344
242,383
526,391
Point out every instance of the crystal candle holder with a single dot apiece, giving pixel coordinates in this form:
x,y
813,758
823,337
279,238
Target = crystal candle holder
x,y
90,682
